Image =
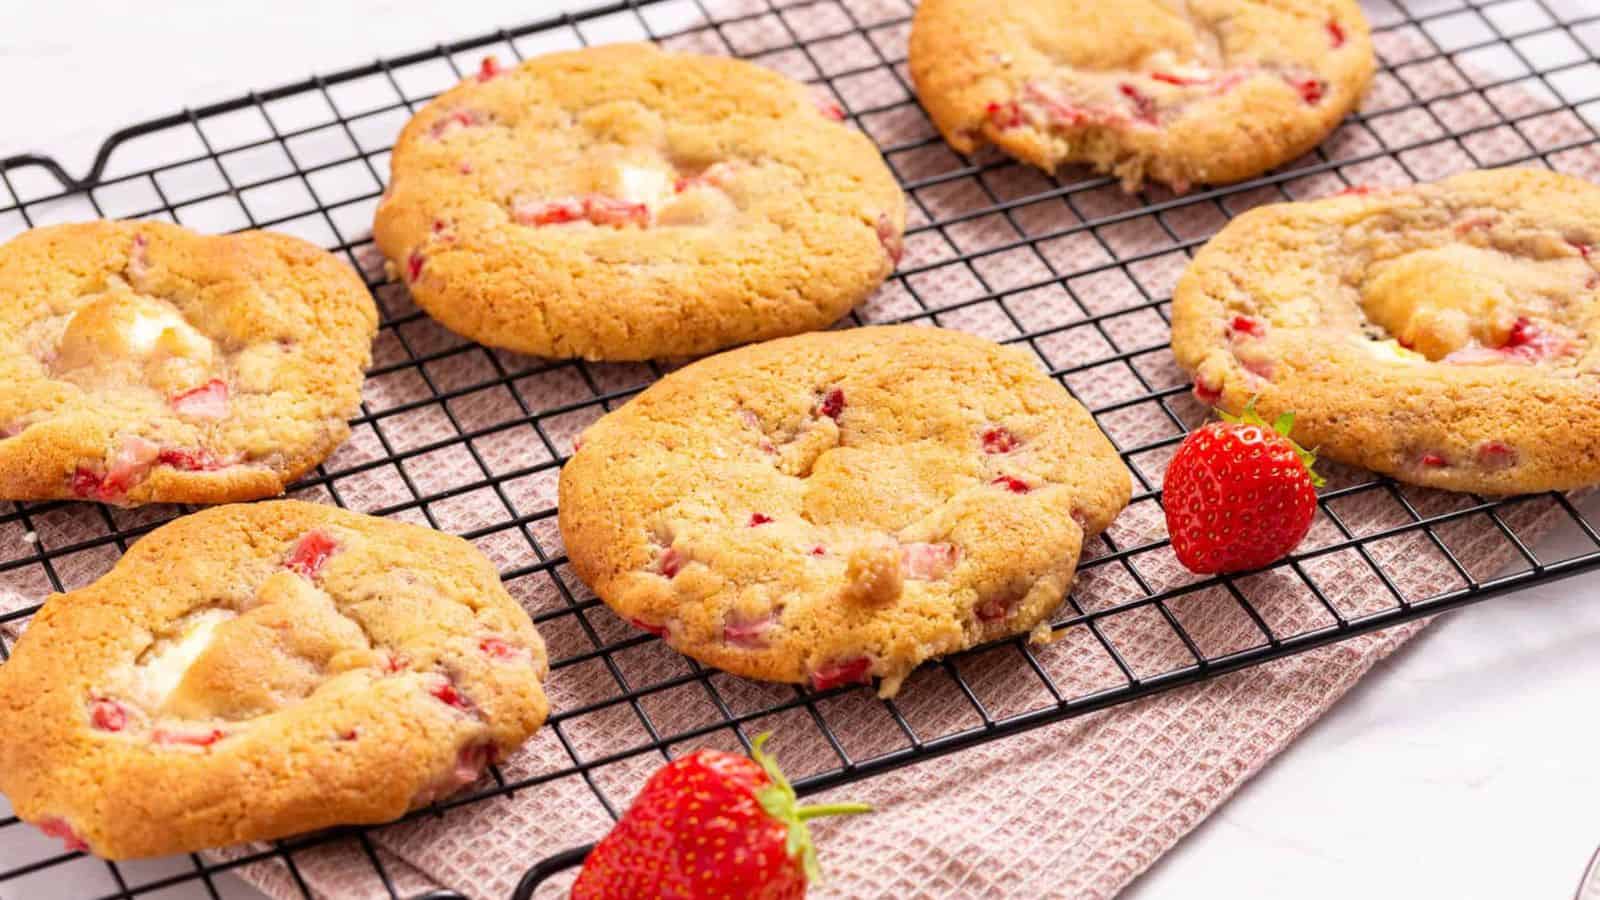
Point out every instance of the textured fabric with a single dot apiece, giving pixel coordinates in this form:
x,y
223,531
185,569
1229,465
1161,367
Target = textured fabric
x,y
1076,809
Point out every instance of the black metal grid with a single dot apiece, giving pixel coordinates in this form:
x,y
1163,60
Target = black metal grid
x,y
152,170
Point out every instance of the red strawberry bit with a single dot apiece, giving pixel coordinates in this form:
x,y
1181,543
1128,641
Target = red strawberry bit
x,y
1144,107
1207,393
671,562
709,825
819,550
1014,485
128,467
85,483
1434,461
488,69
461,118
199,460
749,634
830,109
395,662
349,734
414,265
1356,190
1005,115
445,692
551,212
832,404
107,715
999,440
464,167
1496,455
1179,80
891,239
999,607
1336,33
1238,494
187,737
468,767
209,401
1247,326
1526,343
759,519
1311,90
1582,248
659,631
61,831
311,553
498,648
855,670
928,562
610,211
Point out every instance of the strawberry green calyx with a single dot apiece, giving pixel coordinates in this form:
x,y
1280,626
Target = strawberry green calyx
x,y
1283,425
781,803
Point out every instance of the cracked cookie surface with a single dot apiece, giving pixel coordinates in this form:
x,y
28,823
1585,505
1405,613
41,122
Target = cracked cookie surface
x,y
625,203
152,364
253,671
836,506
1182,92
1444,334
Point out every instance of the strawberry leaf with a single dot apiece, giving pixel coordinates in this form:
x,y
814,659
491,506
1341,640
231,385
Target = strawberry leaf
x,y
781,803
1284,424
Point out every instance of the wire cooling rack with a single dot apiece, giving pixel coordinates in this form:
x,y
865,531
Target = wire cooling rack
x,y
469,440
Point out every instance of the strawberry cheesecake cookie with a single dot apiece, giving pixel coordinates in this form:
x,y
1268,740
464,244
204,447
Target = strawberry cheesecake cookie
x,y
625,203
1444,334
837,506
146,363
254,671
1177,91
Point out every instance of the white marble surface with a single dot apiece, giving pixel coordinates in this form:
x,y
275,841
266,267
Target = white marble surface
x,y
1463,767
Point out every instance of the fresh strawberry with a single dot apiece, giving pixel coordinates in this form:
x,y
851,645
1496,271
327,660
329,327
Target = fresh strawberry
x,y
1239,494
710,824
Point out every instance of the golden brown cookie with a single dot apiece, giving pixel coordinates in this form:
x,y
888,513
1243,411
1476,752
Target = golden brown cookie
x,y
1178,91
625,203
842,505
147,363
253,671
1444,334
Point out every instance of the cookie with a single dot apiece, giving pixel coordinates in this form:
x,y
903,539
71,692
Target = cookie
x,y
254,671
625,203
842,505
1444,334
151,364
1182,92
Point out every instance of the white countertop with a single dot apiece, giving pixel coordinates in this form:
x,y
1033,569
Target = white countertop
x,y
1462,767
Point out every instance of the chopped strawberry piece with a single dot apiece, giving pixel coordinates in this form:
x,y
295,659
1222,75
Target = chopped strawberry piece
x,y
489,68
128,467
1523,332
414,265
1434,460
830,109
1311,90
61,831
671,561
446,693
856,670
1582,248
659,631
461,118
85,484
759,519
310,554
1014,485
928,562
999,440
1336,33
209,401
1170,78
395,662
349,734
998,608
464,167
1497,455
1207,393
1005,115
200,460
749,634
610,211
819,550
497,648
832,404
1247,325
204,737
107,715
552,212
893,242
1356,190
1144,107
